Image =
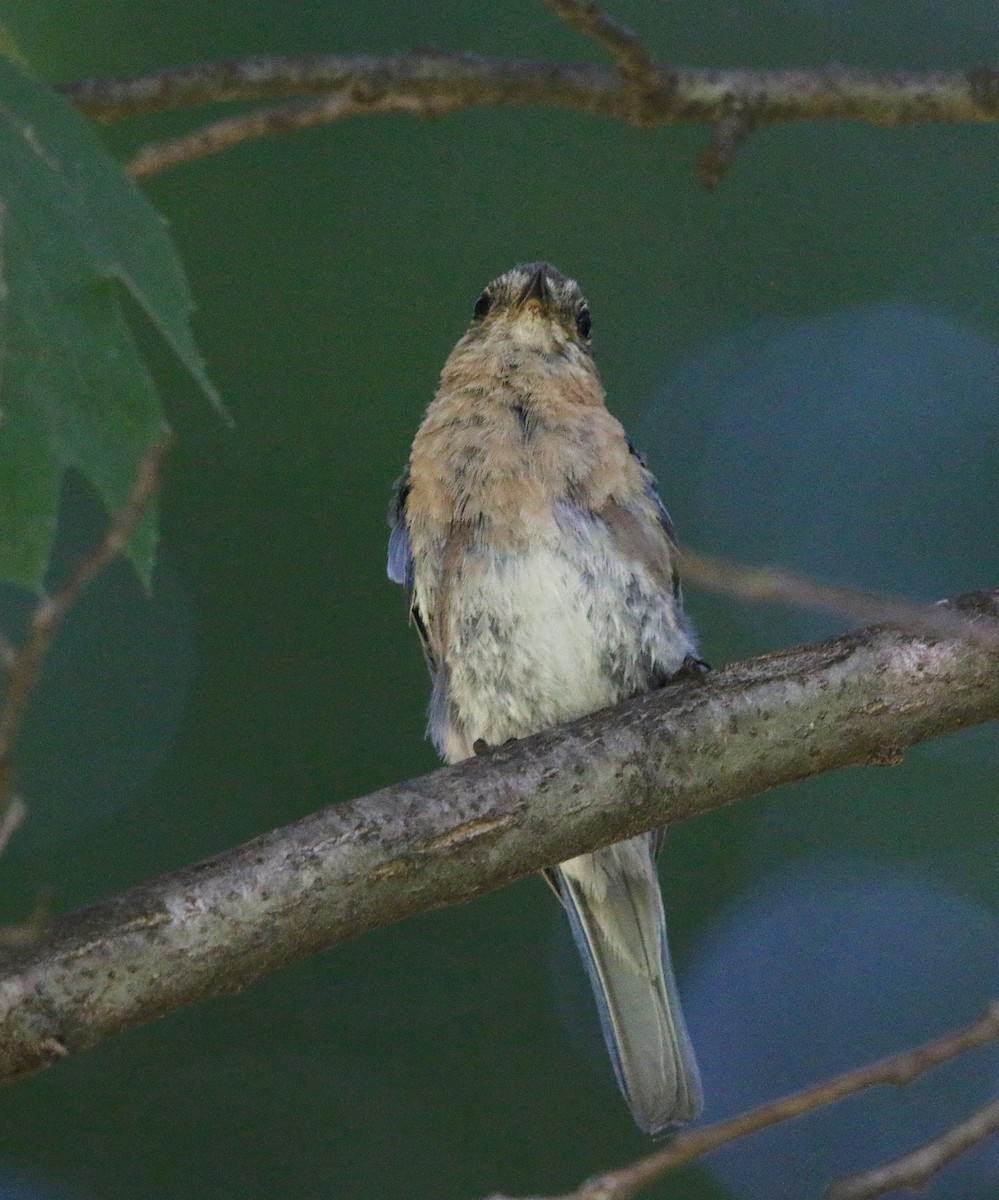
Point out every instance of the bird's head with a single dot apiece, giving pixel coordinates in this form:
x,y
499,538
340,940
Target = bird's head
x,y
532,307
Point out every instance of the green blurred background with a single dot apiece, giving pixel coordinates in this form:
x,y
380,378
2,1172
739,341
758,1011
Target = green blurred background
x,y
809,356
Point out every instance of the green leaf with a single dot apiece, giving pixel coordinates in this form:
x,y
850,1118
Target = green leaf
x,y
74,391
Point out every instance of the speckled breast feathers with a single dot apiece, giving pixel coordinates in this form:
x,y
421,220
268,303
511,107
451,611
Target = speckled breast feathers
x,y
537,551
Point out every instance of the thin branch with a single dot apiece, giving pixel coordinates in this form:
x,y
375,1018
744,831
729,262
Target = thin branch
x,y
266,122
898,1069
28,932
24,667
915,1169
625,48
773,585
715,159
637,90
11,820
476,826
8,652
683,94
469,80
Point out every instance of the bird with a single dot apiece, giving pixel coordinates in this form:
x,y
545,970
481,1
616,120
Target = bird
x,y
540,566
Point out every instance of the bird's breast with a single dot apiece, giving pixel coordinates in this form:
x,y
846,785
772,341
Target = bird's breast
x,y
505,456
539,634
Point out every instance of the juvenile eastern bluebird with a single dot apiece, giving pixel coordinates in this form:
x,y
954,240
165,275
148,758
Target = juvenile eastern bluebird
x,y
540,564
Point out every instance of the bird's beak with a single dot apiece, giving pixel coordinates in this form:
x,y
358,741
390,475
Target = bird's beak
x,y
535,291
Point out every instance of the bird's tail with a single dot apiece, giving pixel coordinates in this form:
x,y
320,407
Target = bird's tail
x,y
616,911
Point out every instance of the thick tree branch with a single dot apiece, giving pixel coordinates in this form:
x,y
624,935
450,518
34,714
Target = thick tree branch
x,y
474,827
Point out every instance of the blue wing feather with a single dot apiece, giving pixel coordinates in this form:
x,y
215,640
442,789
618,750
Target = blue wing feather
x,y
400,550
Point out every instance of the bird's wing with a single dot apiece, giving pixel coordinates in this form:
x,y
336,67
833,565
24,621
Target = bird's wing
x,y
665,522
400,552
400,563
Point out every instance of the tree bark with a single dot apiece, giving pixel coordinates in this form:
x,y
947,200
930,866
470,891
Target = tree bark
x,y
468,829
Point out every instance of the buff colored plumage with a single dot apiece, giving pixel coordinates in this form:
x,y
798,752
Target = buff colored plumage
x,y
540,564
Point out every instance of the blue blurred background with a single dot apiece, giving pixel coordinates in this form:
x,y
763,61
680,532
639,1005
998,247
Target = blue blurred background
x,y
809,356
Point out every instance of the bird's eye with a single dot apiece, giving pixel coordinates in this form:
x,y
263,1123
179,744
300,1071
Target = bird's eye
x,y
482,305
584,323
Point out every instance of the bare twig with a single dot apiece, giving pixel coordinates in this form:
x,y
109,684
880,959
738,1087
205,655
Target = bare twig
x,y
625,48
265,122
24,667
915,1169
27,933
476,826
774,585
898,1069
8,652
636,90
715,159
14,813
471,81
684,94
